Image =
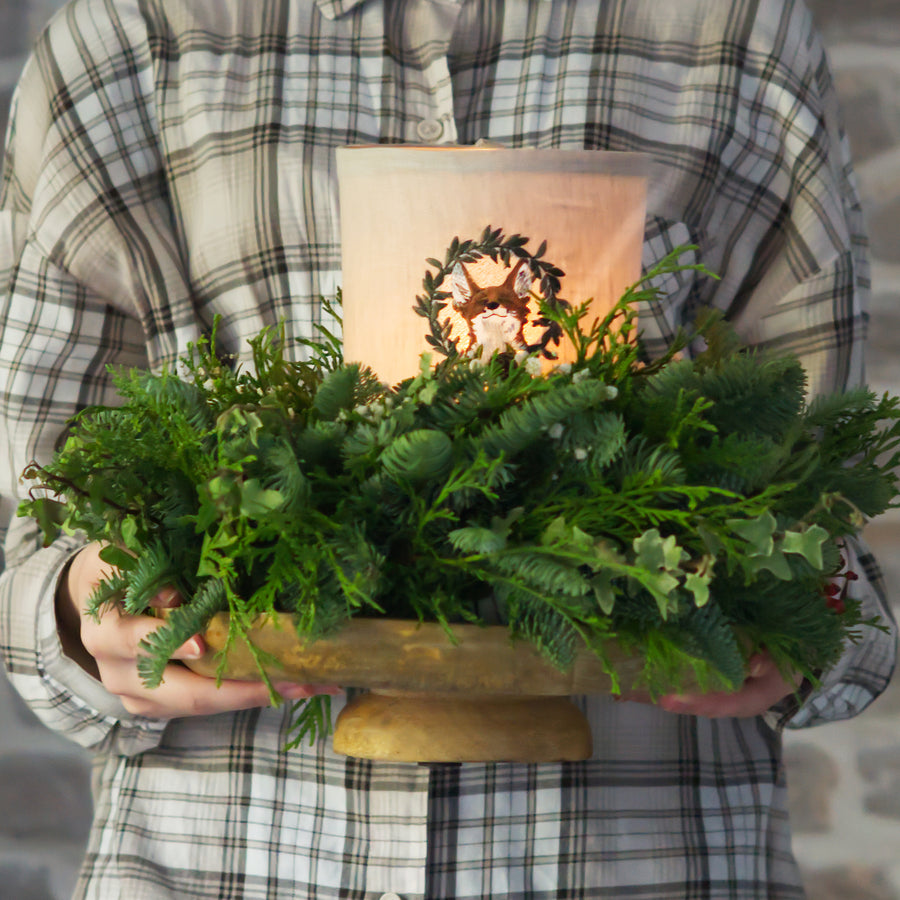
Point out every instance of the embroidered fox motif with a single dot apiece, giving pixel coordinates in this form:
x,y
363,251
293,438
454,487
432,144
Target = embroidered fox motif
x,y
496,315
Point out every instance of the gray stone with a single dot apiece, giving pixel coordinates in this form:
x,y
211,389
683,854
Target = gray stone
x,y
881,767
15,24
884,231
22,881
870,106
45,795
812,776
883,534
849,883
874,20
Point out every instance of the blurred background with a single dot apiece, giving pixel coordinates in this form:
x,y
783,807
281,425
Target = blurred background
x,y
844,779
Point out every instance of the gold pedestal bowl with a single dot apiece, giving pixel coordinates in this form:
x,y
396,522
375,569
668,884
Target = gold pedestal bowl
x,y
480,697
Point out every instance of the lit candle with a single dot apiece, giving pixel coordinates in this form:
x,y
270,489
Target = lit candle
x,y
401,205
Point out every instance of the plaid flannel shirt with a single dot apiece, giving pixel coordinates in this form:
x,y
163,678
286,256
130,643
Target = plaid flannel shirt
x,y
170,160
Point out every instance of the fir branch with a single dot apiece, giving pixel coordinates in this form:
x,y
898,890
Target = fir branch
x,y
181,624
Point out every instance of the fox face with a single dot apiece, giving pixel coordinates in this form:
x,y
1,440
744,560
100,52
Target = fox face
x,y
496,315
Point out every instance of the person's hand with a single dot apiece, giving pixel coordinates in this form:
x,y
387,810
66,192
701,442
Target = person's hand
x,y
762,689
108,650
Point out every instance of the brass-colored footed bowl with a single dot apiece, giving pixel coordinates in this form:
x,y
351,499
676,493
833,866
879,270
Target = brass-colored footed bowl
x,y
484,698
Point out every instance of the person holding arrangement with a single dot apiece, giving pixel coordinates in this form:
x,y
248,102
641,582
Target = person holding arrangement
x,y
170,161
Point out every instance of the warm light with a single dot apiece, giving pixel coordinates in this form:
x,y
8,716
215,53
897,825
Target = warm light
x,y
402,205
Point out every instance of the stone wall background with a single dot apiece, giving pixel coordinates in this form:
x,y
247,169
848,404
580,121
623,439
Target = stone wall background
x,y
844,778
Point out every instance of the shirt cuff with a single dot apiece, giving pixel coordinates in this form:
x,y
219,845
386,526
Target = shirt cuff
x,y
100,714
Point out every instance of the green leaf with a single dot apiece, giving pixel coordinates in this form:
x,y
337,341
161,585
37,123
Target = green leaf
x,y
776,563
657,554
604,592
661,585
560,532
698,584
807,543
117,557
310,718
129,532
475,539
256,500
758,532
50,514
711,540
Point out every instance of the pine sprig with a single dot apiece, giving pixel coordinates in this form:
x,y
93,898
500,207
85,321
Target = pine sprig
x,y
181,624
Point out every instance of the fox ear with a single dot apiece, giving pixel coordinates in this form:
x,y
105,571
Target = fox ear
x,y
460,286
522,285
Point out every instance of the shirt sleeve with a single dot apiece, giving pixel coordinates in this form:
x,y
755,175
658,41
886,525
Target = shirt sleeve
x,y
865,669
779,220
823,318
806,292
77,170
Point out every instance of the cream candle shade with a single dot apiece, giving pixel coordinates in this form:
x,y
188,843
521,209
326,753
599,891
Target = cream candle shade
x,y
401,205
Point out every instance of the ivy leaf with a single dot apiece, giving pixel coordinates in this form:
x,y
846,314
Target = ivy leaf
x,y
661,585
129,532
608,554
698,584
710,540
50,514
807,543
698,581
559,532
758,532
605,594
775,562
256,500
656,553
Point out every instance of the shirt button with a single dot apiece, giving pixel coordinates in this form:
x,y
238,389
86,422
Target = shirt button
x,y
390,896
429,130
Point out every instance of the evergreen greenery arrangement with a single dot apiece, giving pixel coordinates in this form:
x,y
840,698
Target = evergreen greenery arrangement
x,y
689,510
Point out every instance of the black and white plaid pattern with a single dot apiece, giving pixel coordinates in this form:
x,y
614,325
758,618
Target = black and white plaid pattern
x,y
171,160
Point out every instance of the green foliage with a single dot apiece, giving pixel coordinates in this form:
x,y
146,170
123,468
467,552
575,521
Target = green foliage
x,y
690,511
181,624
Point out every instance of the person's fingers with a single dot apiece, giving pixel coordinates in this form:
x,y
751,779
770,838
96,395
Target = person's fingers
x,y
170,598
119,636
85,574
182,693
167,598
762,689
114,641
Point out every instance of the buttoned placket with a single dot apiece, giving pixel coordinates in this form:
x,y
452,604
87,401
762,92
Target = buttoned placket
x,y
429,107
